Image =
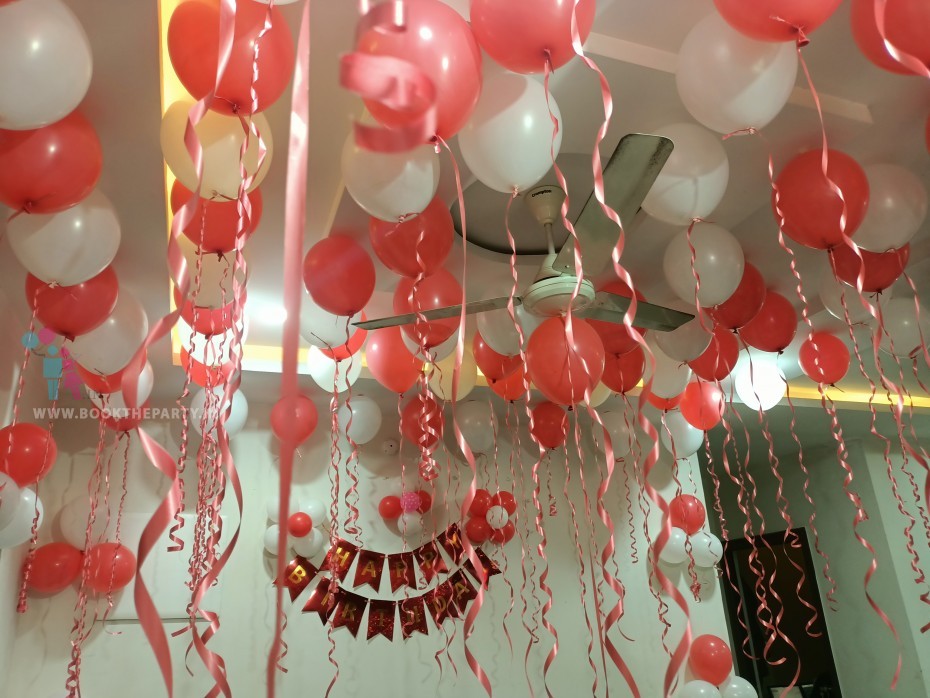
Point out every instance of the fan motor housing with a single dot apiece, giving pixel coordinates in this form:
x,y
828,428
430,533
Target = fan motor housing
x,y
551,297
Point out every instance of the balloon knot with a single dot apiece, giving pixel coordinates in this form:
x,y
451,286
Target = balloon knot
x,y
802,38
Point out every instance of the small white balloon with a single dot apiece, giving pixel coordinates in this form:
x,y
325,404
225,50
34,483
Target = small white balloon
x,y
309,545
675,552
620,432
328,373
323,329
438,353
760,384
218,275
897,208
19,530
366,419
737,687
671,375
718,263
686,342
497,517
478,425
682,435
271,539
706,549
698,689
835,293
316,510
271,508
109,347
73,519
10,499
498,331
903,328
205,411
600,395
410,524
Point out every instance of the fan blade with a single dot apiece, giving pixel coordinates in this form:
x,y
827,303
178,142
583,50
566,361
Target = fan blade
x,y
438,313
628,176
610,307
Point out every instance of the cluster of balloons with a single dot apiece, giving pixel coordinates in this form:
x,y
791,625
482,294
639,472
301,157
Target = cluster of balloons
x,y
490,517
711,662
406,510
304,528
687,517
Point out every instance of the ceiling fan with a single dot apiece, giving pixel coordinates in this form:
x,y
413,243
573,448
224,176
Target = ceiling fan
x,y
628,176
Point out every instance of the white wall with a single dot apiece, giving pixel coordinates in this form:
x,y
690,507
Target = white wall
x,y
120,658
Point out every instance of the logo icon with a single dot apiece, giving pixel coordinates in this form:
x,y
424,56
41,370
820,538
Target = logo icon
x,y
58,366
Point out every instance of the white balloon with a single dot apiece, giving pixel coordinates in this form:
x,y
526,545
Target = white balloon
x,y
728,81
760,384
444,370
271,539
679,433
675,552
498,332
218,275
693,180
737,687
68,247
698,689
45,63
19,530
897,208
619,431
718,262
323,329
904,328
271,508
478,425
366,419
437,353
221,138
208,412
600,395
316,510
390,185
212,350
833,294
107,348
508,143
497,517
115,404
686,342
706,549
324,371
671,375
73,518
10,498
410,524
310,545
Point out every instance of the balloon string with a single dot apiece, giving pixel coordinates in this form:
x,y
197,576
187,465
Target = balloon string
x,y
497,479
334,478
352,497
635,452
294,223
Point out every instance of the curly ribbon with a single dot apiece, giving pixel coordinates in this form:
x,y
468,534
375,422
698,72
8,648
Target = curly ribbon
x,y
294,221
394,82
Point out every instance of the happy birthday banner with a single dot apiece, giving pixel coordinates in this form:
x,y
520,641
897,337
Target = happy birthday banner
x,y
343,608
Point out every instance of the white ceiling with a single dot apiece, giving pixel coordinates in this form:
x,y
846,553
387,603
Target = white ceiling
x,y
873,115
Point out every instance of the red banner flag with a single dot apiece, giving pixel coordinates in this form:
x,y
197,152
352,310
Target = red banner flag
x,y
400,567
321,601
487,564
413,616
463,590
297,576
349,611
381,618
369,568
430,561
340,556
451,542
439,602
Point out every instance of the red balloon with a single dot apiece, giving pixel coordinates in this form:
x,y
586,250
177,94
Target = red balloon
x,y
881,268
421,421
350,348
49,169
206,376
215,221
478,530
623,372
811,209
615,337
427,236
438,290
111,567
702,405
663,403
907,25
100,383
194,46
824,358
439,41
73,310
339,275
299,525
426,502
28,452
493,366
687,513
54,567
506,500
773,327
564,370
710,659
389,361
504,534
745,302
510,388
481,503
720,357
550,425
208,321
390,507
776,20
124,422
296,421
523,36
